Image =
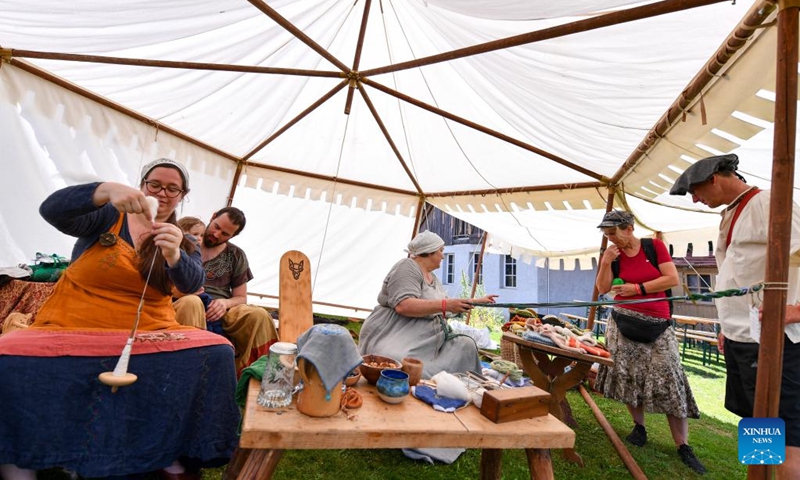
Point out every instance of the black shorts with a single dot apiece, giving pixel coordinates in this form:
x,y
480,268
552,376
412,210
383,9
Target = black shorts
x,y
740,362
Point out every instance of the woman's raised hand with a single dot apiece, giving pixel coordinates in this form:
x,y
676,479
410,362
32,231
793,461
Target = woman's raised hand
x,y
486,299
168,238
124,198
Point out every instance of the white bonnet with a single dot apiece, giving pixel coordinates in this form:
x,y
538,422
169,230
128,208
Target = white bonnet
x,y
425,242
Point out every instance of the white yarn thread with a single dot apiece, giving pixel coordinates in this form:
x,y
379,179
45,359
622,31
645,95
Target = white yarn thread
x,y
122,364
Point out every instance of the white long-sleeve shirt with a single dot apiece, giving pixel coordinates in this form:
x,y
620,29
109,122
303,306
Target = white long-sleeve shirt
x,y
743,264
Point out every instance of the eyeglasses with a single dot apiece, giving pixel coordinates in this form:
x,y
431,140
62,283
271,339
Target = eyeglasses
x,y
155,187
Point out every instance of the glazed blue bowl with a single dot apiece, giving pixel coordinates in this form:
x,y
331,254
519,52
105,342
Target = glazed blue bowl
x,y
393,386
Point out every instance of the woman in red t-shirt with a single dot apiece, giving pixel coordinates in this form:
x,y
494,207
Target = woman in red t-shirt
x,y
647,374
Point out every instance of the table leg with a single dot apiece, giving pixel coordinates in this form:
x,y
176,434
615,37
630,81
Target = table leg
x,y
539,463
260,464
238,460
535,366
491,463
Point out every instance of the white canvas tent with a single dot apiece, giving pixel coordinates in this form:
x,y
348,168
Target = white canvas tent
x,y
513,115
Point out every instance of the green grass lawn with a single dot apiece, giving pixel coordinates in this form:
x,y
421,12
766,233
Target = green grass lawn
x,y
713,436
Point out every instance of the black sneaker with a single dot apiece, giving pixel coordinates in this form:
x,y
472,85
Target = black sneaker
x,y
687,456
638,436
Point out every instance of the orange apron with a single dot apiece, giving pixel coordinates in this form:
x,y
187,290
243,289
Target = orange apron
x,y
102,290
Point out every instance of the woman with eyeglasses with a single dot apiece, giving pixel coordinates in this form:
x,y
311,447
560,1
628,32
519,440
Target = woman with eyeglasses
x,y
180,412
647,374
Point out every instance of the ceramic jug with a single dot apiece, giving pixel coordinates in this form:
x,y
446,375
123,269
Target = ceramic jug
x,y
313,400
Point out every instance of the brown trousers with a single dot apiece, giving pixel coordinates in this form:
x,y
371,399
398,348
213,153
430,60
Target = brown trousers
x,y
248,327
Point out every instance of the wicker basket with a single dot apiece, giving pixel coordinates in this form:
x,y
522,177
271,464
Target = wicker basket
x,y
510,351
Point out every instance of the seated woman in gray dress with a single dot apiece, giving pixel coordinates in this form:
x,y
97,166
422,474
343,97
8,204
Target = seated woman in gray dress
x,y
409,320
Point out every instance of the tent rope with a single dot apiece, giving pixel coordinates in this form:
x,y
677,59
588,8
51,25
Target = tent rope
x,y
693,297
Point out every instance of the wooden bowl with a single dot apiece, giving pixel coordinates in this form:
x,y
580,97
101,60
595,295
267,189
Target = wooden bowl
x,y
353,378
373,364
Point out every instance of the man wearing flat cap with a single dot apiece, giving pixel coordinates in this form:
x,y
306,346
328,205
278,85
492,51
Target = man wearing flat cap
x,y
741,253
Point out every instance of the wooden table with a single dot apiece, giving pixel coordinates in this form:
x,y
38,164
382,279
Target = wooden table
x,y
555,370
707,340
411,424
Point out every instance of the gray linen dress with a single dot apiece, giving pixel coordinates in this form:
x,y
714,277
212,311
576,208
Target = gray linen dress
x,y
385,332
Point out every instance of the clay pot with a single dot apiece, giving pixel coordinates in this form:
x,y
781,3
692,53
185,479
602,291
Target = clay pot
x,y
392,386
413,367
313,400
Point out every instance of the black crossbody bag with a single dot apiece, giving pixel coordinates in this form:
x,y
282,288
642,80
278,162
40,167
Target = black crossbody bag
x,y
637,329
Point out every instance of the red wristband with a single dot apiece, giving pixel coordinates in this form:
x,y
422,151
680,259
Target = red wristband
x,y
638,290
444,307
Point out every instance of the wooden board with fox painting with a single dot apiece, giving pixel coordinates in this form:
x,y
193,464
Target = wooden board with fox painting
x,y
294,304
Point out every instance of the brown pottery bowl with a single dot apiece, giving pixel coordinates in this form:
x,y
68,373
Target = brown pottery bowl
x,y
373,364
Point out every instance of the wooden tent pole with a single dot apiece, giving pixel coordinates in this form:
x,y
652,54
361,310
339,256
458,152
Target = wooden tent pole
x,y
388,137
603,244
477,272
622,450
418,220
296,119
142,62
496,191
289,27
357,59
481,128
770,354
600,21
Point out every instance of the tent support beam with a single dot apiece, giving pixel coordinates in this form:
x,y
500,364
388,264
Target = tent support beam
x,y
477,273
600,21
500,191
314,302
296,119
603,244
388,137
418,220
289,26
141,62
754,18
357,60
482,129
770,354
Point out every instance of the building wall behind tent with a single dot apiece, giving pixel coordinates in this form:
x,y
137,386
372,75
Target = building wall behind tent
x,y
533,284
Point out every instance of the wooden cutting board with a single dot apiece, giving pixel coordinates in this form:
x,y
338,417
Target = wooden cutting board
x,y
294,296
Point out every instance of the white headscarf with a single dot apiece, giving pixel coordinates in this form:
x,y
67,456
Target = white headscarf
x,y
425,242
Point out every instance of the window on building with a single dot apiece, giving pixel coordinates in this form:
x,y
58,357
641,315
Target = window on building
x,y
509,272
477,276
449,268
700,283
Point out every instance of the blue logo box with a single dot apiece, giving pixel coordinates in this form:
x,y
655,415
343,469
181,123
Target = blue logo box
x,y
762,441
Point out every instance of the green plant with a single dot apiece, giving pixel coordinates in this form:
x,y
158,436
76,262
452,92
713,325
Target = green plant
x,y
480,317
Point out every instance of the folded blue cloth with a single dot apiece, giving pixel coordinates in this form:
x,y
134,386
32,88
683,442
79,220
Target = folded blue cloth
x,y
532,336
441,404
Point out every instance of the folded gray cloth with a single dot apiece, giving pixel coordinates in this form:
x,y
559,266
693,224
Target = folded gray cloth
x,y
445,455
332,351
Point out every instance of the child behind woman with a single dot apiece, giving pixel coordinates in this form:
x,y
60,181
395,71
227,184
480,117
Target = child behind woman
x,y
195,228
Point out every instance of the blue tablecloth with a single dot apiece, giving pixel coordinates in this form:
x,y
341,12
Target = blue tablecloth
x,y
55,412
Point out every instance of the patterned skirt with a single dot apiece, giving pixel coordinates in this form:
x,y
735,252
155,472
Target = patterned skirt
x,y
647,374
